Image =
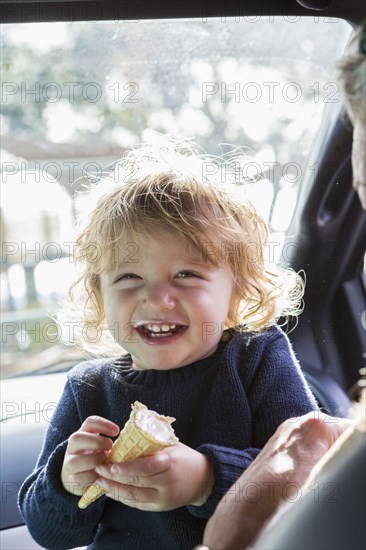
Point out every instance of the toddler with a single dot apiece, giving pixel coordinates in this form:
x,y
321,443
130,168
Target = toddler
x,y
173,269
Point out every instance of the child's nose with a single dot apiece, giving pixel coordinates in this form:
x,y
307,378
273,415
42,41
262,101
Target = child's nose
x,y
159,297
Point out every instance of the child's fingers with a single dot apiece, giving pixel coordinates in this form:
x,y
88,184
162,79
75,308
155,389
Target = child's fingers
x,y
79,483
83,441
87,449
88,436
78,470
143,467
77,463
99,425
135,497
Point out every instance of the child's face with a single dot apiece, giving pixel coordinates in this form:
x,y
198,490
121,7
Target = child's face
x,y
165,306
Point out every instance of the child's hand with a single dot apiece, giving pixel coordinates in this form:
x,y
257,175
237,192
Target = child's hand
x,y
86,450
174,477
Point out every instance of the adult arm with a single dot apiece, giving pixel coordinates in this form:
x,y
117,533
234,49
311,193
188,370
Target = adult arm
x,y
276,476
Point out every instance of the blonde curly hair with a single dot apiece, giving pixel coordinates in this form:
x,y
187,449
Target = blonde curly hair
x,y
176,188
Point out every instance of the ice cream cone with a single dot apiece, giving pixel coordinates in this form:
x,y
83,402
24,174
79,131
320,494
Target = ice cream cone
x,y
136,439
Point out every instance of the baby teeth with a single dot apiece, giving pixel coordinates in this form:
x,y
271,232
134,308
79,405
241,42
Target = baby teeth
x,y
158,328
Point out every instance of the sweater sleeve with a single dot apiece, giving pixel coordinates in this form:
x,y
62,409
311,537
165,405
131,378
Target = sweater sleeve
x,y
50,512
276,390
228,465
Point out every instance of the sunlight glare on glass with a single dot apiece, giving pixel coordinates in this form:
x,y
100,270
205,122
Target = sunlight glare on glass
x,y
52,280
41,36
283,208
16,281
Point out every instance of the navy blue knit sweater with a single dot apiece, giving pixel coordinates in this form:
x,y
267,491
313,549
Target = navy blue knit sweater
x,y
226,405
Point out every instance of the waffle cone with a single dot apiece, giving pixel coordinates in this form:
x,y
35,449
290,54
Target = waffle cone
x,y
131,443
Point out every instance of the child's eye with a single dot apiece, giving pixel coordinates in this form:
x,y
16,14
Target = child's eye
x,y
187,274
127,277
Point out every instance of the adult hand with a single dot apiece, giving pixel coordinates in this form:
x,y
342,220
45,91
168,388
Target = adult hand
x,y
86,450
173,477
276,475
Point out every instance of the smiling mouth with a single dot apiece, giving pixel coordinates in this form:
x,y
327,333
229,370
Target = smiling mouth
x,y
164,330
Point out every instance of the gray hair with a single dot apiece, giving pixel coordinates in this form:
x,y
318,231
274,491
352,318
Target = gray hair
x,y
352,77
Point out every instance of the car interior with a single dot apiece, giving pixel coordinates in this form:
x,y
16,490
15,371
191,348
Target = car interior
x,y
203,65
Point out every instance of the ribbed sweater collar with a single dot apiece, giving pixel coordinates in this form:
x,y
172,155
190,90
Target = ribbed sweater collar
x,y
123,366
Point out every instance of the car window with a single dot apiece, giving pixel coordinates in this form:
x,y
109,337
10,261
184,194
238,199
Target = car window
x,y
76,95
